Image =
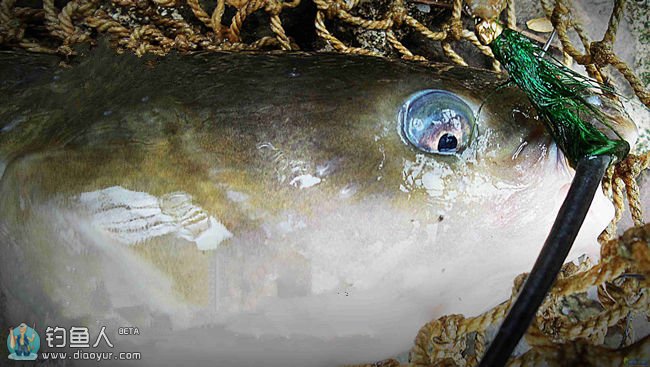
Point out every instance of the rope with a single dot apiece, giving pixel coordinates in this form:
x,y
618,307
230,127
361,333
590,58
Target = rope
x,y
598,54
630,253
452,339
61,25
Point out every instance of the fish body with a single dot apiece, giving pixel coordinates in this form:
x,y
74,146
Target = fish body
x,y
284,209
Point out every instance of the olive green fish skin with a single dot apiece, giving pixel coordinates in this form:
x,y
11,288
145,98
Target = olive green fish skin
x,y
322,216
227,105
246,90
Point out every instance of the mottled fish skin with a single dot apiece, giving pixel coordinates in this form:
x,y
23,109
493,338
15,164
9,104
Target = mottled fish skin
x,y
265,195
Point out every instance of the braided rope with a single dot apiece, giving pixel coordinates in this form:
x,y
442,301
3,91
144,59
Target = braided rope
x,y
598,54
199,13
443,341
595,56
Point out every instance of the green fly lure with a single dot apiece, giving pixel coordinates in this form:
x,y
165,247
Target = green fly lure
x,y
573,108
561,96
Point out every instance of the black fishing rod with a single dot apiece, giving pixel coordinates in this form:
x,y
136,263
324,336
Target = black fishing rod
x,y
560,97
589,173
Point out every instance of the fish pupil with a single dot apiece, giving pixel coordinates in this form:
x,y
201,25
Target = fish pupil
x,y
447,143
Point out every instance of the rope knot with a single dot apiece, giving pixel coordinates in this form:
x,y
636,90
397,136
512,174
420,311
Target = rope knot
x,y
450,341
631,166
447,330
398,15
454,29
330,7
601,53
273,7
333,9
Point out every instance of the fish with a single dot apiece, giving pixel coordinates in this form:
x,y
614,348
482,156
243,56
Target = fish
x,y
264,208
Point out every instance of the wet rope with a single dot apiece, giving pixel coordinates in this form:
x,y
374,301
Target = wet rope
x,y
447,340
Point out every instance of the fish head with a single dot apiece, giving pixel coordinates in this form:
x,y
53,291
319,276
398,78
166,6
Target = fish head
x,y
319,198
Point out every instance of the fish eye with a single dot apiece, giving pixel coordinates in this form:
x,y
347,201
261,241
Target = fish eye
x,y
436,121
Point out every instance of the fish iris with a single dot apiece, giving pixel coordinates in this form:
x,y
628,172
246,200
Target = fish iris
x,y
436,121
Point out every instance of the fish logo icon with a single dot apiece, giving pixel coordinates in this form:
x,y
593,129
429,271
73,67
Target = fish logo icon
x,y
23,343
